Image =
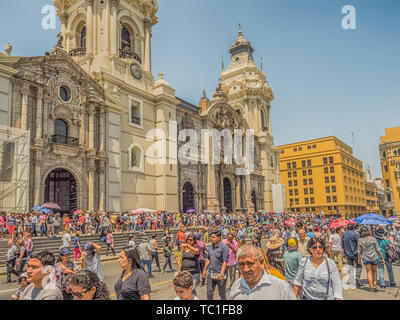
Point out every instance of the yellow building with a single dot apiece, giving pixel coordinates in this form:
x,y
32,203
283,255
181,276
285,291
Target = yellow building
x,y
389,149
323,176
371,194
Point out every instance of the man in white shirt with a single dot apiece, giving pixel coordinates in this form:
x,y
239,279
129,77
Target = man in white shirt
x,y
256,284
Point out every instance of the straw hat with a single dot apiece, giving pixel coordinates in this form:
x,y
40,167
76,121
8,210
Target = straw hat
x,y
275,243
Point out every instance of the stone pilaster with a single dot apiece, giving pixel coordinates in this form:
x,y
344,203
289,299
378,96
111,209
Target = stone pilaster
x,y
39,114
147,48
24,108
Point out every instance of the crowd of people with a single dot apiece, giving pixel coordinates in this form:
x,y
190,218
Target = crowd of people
x,y
225,252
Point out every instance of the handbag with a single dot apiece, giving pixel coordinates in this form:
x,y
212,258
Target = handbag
x,y
392,255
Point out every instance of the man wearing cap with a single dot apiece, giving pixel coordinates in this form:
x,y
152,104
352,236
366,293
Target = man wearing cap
x,y
91,259
256,284
383,243
291,260
145,255
63,269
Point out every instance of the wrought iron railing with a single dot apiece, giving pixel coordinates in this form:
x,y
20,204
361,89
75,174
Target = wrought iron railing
x,y
77,52
57,138
129,54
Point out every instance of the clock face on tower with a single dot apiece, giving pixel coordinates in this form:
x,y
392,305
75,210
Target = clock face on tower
x,y
136,71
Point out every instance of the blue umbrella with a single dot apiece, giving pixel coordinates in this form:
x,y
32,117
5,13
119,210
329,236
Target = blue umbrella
x,y
375,216
45,210
374,221
37,208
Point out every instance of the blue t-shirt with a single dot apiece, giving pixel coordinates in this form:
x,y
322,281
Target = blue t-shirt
x,y
217,256
11,221
76,240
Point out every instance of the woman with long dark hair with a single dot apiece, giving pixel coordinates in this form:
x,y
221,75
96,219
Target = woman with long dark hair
x,y
133,283
86,285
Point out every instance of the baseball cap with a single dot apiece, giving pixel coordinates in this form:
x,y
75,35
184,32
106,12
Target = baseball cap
x,y
64,251
292,243
87,247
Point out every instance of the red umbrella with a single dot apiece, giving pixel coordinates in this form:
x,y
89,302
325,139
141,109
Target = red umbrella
x,y
79,211
290,222
338,223
51,205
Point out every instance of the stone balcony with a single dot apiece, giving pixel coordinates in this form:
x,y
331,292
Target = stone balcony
x,y
78,52
128,54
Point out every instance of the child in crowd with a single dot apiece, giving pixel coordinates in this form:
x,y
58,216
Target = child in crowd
x,y
183,285
23,284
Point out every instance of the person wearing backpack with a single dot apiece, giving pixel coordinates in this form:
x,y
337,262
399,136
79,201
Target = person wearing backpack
x,y
383,246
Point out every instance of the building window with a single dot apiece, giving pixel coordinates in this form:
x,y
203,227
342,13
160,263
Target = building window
x,y
304,172
325,160
327,189
300,148
296,192
310,181
326,179
330,159
294,165
305,191
136,112
314,146
135,158
312,201
61,128
294,174
303,163
306,200
289,165
309,163
83,37
310,172
65,93
294,149
333,188
296,201
125,39
334,198
387,183
308,147
330,208
328,199
311,190
289,174
295,183
291,201
305,182
333,179
332,169
290,183
290,192
326,170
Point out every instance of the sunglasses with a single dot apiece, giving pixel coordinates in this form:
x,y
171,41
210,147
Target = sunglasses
x,y
79,294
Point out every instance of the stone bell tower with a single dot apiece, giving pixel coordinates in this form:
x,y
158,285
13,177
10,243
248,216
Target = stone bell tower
x,y
108,35
249,94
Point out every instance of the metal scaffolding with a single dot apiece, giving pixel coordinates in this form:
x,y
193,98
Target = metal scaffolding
x,y
14,169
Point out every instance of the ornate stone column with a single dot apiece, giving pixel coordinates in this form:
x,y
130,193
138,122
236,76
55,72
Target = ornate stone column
x,y
91,171
46,104
24,108
91,112
37,188
114,25
39,114
82,130
147,47
89,28
102,186
103,119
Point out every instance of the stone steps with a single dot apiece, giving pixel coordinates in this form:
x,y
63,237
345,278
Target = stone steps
x,y
53,244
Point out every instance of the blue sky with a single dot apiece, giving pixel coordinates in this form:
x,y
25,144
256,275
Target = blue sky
x,y
326,80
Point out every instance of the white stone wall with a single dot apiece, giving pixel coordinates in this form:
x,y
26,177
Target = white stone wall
x,y
114,162
5,100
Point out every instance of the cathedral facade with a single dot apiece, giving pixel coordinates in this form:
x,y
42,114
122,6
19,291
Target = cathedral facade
x,y
91,103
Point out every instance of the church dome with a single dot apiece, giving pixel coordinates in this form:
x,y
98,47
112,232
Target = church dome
x,y
241,44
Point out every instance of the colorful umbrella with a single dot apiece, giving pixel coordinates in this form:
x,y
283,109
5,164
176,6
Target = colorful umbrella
x,y
290,222
45,210
190,211
338,223
79,211
37,208
51,205
273,212
374,221
393,218
361,218
318,220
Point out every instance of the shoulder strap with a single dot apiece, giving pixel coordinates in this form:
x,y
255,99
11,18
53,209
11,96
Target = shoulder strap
x,y
329,278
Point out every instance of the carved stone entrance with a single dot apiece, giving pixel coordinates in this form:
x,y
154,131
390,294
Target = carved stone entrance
x,y
61,188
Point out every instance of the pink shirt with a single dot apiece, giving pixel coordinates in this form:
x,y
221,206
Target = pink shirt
x,y
232,255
